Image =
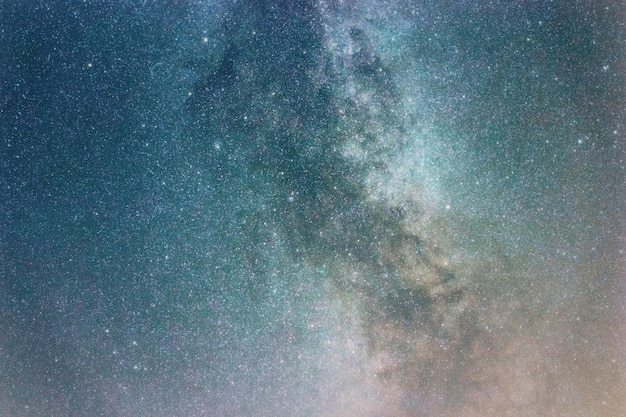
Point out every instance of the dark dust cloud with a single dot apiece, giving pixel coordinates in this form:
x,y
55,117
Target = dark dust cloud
x,y
312,208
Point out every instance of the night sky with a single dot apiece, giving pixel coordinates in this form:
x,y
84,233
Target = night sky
x,y
312,208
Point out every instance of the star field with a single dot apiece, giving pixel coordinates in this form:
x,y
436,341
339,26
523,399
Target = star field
x,y
312,208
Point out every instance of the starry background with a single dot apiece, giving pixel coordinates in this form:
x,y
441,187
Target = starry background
x,y
312,208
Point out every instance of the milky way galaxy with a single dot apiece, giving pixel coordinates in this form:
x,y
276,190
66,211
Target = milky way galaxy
x,y
312,208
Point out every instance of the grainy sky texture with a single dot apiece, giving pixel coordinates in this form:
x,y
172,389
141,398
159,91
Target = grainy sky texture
x,y
312,208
